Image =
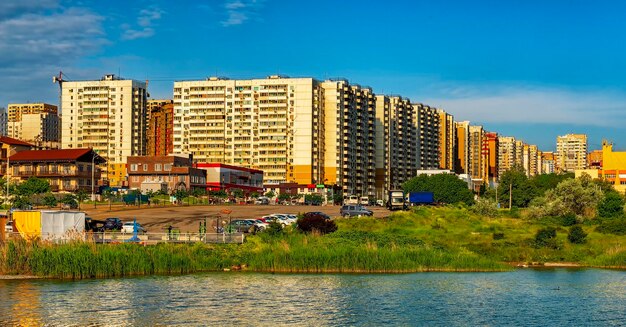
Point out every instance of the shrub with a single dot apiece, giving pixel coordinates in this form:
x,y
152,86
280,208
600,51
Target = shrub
x,y
274,229
611,206
615,226
498,236
576,235
317,223
568,220
485,207
546,237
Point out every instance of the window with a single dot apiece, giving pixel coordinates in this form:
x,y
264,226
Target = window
x,y
167,167
157,167
145,167
133,167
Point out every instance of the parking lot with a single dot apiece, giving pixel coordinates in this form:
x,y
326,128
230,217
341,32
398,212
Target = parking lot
x,y
187,218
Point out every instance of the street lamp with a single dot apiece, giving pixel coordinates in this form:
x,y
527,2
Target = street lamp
x,y
93,172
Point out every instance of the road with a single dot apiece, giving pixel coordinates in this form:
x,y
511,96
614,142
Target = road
x,y
187,218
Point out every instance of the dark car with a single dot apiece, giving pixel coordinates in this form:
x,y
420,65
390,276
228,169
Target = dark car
x,y
112,224
316,214
355,210
242,226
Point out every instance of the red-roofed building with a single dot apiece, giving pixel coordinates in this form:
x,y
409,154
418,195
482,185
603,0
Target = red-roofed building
x,y
67,170
10,146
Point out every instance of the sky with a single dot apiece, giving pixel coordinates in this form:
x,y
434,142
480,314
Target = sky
x,y
529,69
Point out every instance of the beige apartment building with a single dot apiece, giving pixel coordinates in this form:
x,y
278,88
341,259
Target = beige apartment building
x,y
109,116
426,122
447,136
350,156
37,123
273,124
395,143
571,151
506,153
531,160
476,165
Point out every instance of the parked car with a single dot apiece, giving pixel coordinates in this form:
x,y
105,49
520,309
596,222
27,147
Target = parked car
x,y
355,210
260,224
8,228
112,224
316,214
242,226
127,227
262,201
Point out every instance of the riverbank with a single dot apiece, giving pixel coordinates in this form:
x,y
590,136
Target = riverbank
x,y
427,239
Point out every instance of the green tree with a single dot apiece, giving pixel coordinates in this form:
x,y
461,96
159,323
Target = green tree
x,y
33,185
577,235
446,188
21,202
270,194
485,207
337,198
237,193
544,182
521,189
181,195
611,206
81,196
69,200
109,196
314,199
49,200
546,237
578,196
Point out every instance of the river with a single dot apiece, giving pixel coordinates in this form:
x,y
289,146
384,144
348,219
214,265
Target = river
x,y
557,297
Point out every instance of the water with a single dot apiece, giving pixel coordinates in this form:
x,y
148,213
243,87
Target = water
x,y
557,297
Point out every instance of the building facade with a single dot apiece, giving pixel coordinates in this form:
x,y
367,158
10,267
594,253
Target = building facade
x,y
272,124
426,122
490,157
68,170
572,152
160,135
109,116
447,136
476,165
462,156
175,172
227,178
34,122
506,153
10,146
4,122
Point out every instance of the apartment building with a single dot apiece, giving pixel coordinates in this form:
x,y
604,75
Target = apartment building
x,y
109,116
462,156
33,122
572,152
273,124
426,122
171,173
490,158
160,134
594,159
153,105
548,160
506,153
4,119
16,110
447,135
350,157
395,143
519,153
475,165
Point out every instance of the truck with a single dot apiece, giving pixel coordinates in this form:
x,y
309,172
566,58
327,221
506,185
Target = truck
x,y
418,198
395,200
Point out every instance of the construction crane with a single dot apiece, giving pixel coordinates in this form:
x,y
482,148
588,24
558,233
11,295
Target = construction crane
x,y
59,79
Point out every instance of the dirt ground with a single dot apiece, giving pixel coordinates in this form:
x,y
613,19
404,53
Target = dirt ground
x,y
187,218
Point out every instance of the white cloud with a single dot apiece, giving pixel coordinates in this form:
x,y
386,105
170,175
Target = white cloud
x,y
240,11
524,104
145,22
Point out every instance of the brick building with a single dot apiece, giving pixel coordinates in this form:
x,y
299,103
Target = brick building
x,y
176,171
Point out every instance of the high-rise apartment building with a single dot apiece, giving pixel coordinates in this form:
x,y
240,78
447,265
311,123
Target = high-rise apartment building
x,y
548,161
462,156
273,124
37,123
16,110
475,166
395,143
109,116
506,153
350,156
447,135
572,152
160,133
4,118
519,153
426,122
154,105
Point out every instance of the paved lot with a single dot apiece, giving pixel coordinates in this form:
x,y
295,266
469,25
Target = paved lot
x,y
187,218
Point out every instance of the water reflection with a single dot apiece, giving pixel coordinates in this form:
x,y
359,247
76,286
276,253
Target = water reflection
x,y
560,297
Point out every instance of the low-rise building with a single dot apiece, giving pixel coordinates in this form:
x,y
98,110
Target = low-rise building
x,y
613,168
66,170
10,146
222,177
175,170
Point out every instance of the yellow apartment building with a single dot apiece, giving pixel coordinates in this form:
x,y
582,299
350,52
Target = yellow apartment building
x,y
571,150
447,135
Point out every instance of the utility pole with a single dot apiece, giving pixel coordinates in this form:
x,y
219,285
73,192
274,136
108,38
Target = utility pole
x,y
510,195
93,171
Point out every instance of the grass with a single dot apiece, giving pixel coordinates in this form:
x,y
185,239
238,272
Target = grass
x,y
426,239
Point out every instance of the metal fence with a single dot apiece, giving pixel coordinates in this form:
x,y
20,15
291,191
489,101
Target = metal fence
x,y
145,238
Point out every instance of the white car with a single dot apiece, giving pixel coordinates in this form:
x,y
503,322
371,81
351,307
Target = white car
x,y
259,223
288,219
128,228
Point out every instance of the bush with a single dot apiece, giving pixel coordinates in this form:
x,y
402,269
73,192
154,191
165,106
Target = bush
x,y
615,226
576,235
311,223
485,207
498,236
274,229
546,237
568,220
611,206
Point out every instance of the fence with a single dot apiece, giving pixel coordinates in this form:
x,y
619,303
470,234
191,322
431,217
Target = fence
x,y
145,238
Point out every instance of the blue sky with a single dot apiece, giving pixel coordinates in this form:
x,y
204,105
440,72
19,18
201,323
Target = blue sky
x,y
529,69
